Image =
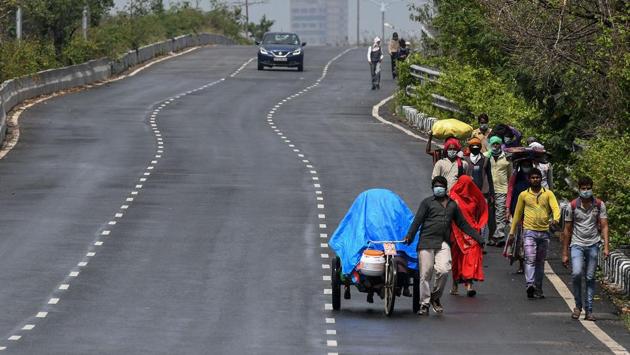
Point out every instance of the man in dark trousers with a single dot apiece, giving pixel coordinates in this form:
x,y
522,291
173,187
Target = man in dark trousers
x,y
436,214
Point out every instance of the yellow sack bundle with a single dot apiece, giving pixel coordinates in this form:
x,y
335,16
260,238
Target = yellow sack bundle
x,y
448,128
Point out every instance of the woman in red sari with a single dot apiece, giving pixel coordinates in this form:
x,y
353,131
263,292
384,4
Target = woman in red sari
x,y
467,254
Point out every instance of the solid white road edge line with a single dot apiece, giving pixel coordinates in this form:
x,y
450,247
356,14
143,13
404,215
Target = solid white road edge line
x,y
593,328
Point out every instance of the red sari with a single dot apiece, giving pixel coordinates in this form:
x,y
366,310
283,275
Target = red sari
x,y
466,252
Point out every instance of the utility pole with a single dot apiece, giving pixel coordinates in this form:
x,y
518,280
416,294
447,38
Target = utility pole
x,y
358,12
383,22
18,23
84,22
246,17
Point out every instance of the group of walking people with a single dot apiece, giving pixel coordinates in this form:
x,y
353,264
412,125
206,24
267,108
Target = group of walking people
x,y
485,195
398,51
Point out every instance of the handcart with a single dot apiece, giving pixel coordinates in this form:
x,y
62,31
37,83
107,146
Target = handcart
x,y
389,281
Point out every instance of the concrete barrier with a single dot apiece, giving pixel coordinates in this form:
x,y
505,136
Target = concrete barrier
x,y
15,91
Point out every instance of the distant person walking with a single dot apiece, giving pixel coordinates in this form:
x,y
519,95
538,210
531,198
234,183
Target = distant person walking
x,y
534,207
375,58
586,226
501,173
403,52
483,132
393,48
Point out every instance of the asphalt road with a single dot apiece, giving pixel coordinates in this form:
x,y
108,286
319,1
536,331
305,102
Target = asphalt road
x,y
221,194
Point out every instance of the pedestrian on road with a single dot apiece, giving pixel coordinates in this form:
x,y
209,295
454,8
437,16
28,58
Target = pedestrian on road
x,y
436,214
481,173
519,182
501,173
467,254
403,52
543,165
535,207
393,48
436,154
375,58
451,167
510,135
483,132
586,224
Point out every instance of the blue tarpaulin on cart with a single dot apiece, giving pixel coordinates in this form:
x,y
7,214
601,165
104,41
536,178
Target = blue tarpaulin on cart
x,y
375,215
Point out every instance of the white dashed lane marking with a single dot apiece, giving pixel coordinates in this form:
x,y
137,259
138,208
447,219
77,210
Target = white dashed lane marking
x,y
65,285
317,186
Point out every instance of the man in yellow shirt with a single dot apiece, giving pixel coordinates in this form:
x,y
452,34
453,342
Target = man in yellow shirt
x,y
535,206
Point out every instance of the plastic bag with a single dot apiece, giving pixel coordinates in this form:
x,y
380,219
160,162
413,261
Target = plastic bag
x,y
448,128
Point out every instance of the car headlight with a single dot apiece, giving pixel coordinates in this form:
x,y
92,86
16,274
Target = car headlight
x,y
263,51
297,51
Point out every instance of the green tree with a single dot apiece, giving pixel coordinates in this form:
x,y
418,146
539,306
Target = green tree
x,y
60,19
259,29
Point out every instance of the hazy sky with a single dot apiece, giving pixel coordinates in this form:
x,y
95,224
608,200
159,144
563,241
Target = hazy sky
x,y
397,14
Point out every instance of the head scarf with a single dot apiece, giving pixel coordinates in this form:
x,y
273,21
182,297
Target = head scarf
x,y
537,146
474,141
452,141
470,201
495,139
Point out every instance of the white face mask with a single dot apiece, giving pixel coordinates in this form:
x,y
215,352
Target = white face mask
x,y
451,153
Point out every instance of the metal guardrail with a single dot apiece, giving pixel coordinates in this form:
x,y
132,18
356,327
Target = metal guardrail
x,y
426,75
616,270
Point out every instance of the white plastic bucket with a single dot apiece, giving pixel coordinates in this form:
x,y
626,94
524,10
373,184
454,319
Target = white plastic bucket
x,y
372,263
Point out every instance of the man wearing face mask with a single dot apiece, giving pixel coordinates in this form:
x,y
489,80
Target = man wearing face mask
x,y
483,132
435,215
480,171
519,182
451,167
586,225
534,207
501,173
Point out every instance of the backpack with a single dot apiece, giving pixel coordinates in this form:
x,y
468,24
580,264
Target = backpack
x,y
597,204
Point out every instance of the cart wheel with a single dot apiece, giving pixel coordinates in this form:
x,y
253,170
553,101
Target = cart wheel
x,y
416,293
391,274
335,283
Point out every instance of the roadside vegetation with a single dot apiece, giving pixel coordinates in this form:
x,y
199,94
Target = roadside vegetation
x,y
556,70
52,32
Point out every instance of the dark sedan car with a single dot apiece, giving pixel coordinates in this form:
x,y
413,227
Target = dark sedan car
x,y
281,49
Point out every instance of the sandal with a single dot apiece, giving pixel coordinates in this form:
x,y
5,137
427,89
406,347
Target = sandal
x,y
470,292
454,291
589,316
576,313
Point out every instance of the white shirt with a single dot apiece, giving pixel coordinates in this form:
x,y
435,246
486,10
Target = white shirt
x,y
369,52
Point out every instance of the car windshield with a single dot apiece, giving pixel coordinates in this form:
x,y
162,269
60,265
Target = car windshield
x,y
281,38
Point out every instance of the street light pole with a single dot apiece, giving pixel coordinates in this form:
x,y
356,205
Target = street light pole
x,y
358,12
382,21
246,17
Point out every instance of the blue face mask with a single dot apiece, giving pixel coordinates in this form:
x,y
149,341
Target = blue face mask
x,y
496,151
507,140
586,193
439,191
451,153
